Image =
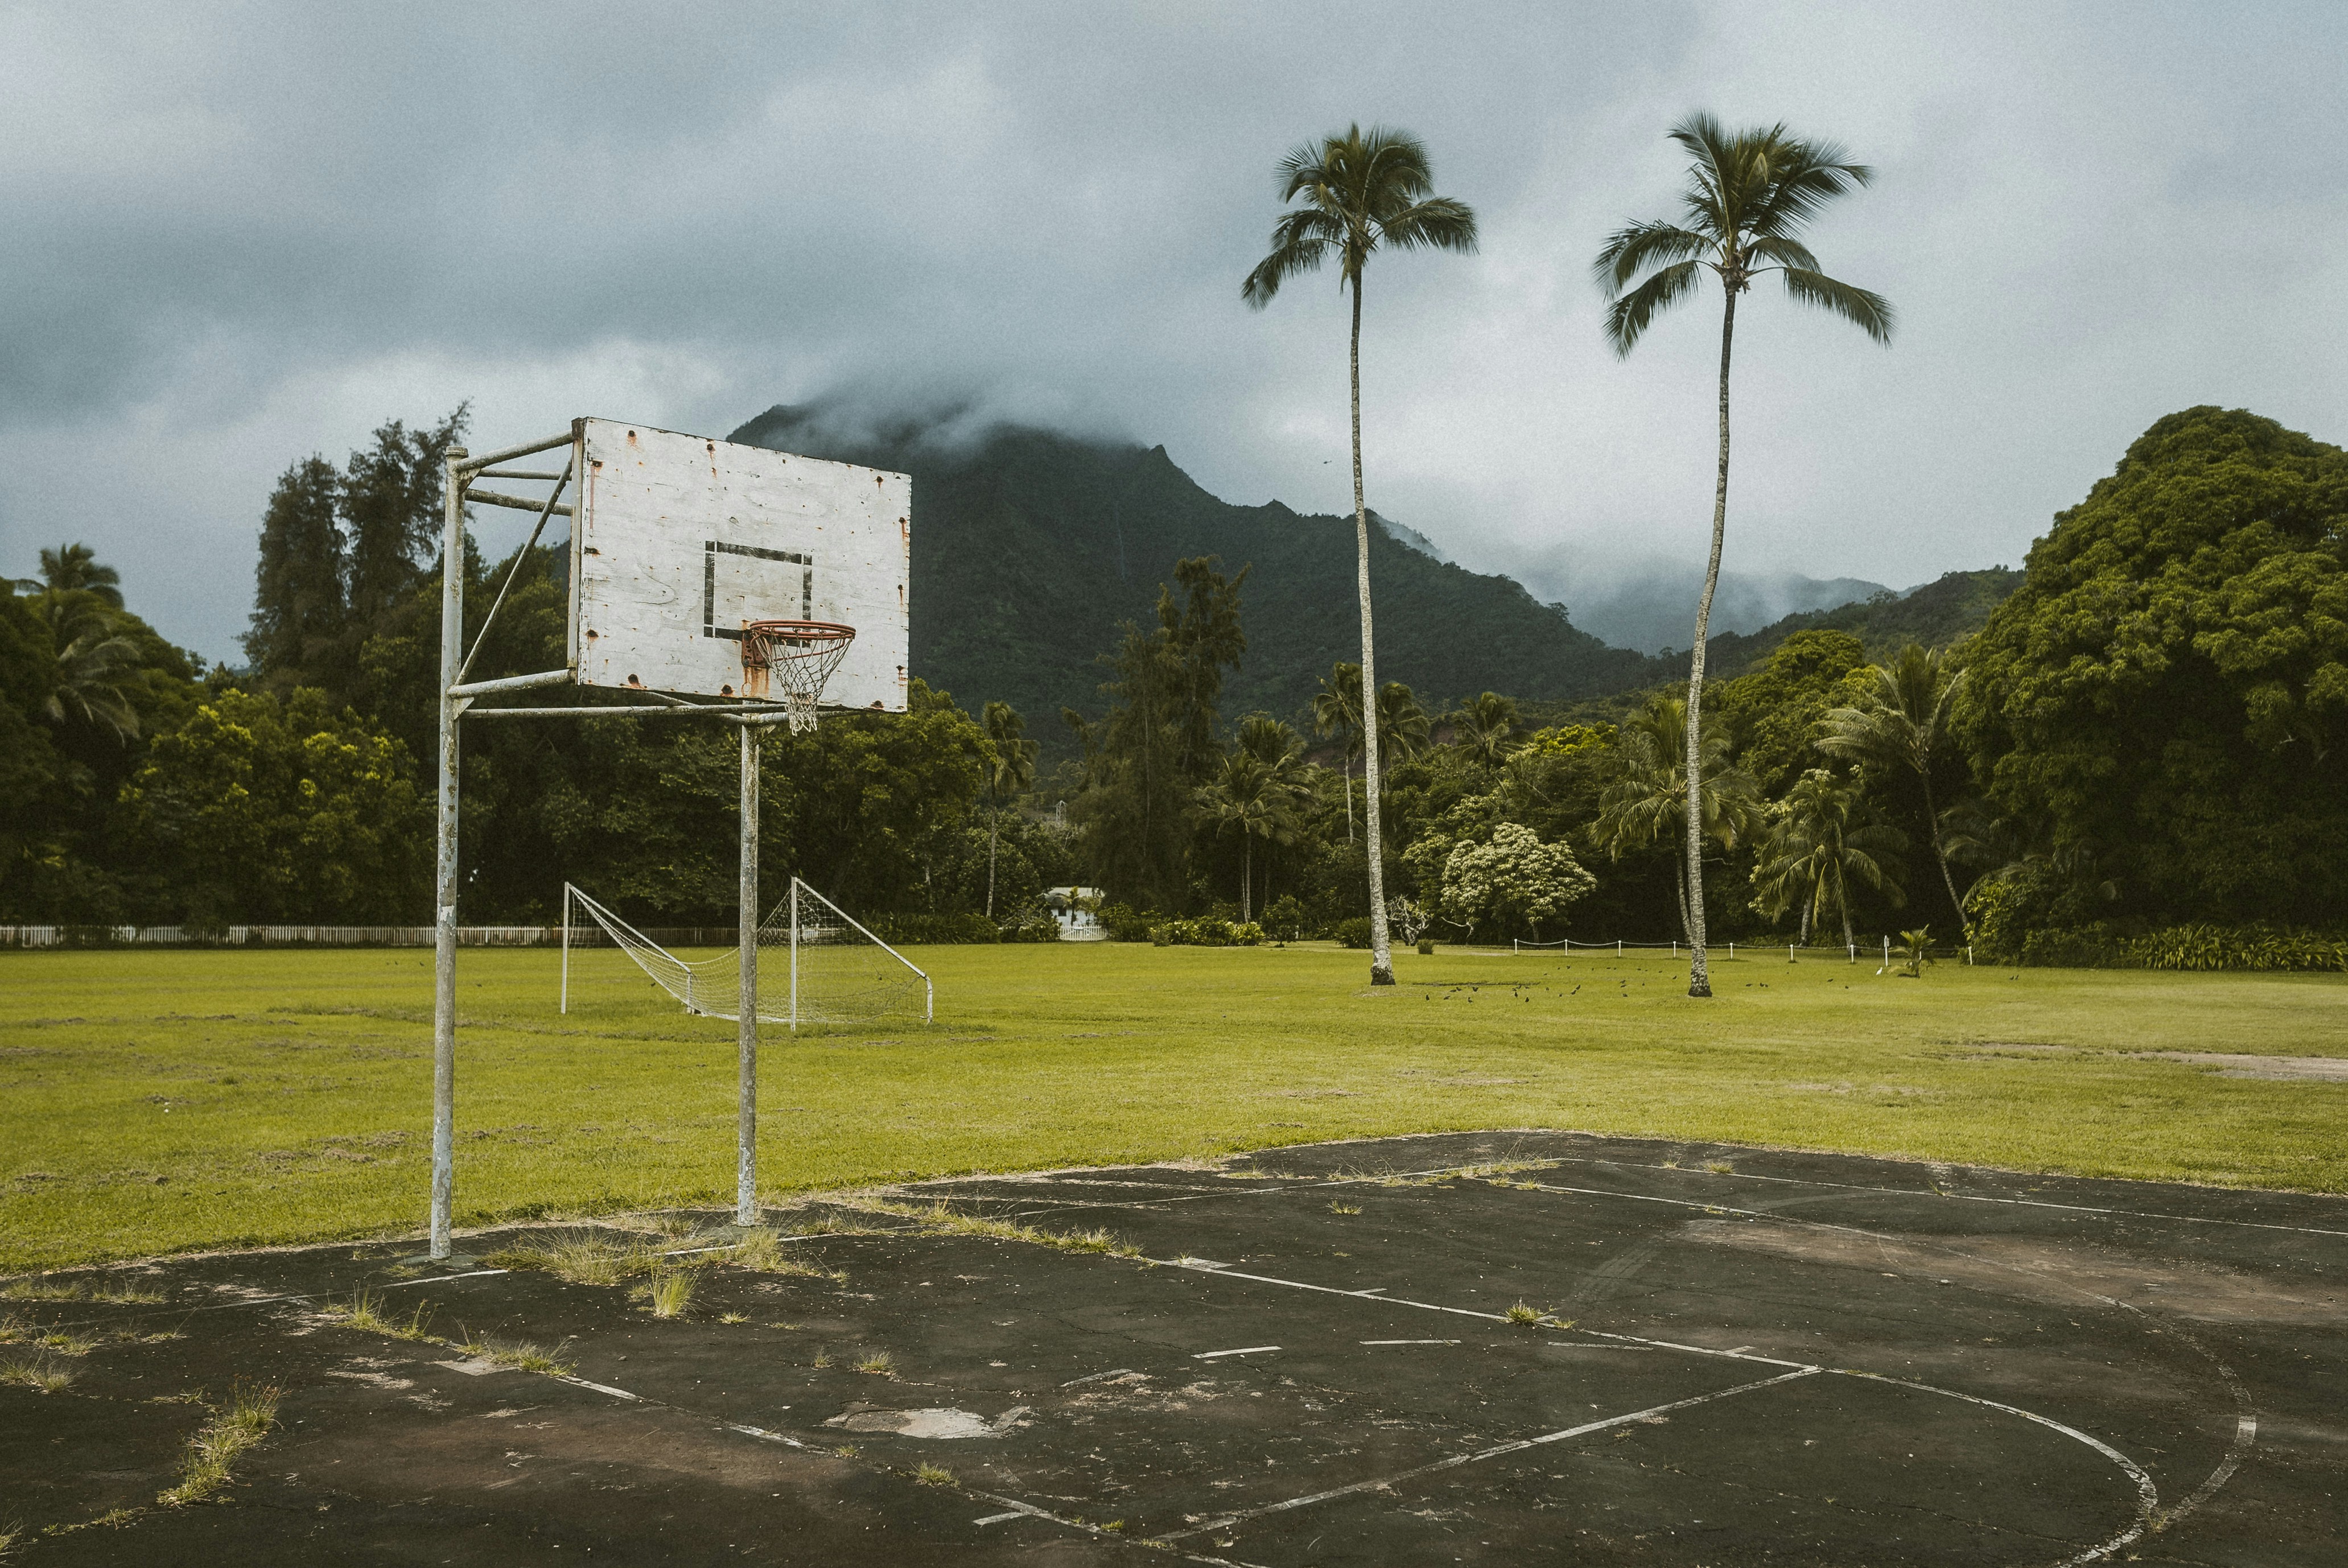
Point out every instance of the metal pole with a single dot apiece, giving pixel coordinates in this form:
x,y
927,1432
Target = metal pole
x,y
444,941
746,1156
795,953
566,948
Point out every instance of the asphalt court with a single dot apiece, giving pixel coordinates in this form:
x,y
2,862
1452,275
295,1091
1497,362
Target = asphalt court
x,y
1318,1356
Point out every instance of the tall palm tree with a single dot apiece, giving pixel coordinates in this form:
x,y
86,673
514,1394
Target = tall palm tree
x,y
1901,723
1011,774
1749,196
1648,798
1823,840
1402,729
1337,710
1356,193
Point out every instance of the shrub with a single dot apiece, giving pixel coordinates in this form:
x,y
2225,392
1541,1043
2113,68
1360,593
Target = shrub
x,y
1206,931
1037,923
1427,947
1284,920
1124,923
899,930
1354,933
2204,947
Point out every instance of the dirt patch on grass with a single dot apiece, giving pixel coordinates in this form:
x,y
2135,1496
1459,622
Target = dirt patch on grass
x,y
2277,1069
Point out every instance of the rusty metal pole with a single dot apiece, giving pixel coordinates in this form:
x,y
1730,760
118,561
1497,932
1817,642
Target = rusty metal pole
x,y
745,1154
444,897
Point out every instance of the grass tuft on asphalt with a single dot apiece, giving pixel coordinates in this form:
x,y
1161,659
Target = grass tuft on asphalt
x,y
164,1102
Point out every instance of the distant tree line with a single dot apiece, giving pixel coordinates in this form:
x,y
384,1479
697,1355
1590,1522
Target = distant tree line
x,y
2134,761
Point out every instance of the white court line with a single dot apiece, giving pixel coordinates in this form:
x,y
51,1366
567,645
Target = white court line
x,y
1410,1341
1226,1521
2147,1496
1251,1350
1961,1197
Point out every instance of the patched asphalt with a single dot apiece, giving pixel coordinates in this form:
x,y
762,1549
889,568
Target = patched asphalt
x,y
1739,1356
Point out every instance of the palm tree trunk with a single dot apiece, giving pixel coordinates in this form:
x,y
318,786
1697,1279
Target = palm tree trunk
x,y
1247,871
1699,976
1932,820
1679,886
1842,902
994,822
1381,954
1349,800
1806,922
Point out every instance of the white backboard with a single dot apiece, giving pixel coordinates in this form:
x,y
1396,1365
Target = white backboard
x,y
680,540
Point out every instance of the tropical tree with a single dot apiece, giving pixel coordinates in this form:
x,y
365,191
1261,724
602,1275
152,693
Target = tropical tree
x,y
1822,839
1648,797
1486,728
1259,800
1511,875
1355,193
1337,710
76,567
1010,774
1749,196
1402,730
1903,723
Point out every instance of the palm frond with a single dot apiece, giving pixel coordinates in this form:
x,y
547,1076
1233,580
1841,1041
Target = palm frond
x,y
1439,223
1871,312
1782,251
1640,245
1627,319
1804,176
1301,242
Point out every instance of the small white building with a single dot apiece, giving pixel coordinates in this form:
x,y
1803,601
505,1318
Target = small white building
x,y
1078,911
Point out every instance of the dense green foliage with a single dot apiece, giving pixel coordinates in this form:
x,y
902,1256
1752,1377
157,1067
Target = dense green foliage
x,y
2159,710
2129,765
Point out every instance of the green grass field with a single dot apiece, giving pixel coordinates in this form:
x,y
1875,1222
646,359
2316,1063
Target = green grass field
x,y
157,1101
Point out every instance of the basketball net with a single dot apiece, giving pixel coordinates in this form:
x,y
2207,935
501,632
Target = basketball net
x,y
790,661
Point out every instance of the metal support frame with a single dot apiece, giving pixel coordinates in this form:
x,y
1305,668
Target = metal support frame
x,y
456,703
745,1036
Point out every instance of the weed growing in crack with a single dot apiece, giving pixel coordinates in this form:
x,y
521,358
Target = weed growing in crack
x,y
585,1259
940,1220
1522,1316
75,1290
833,1225
847,1451
365,1311
733,1318
933,1475
204,1468
761,1252
33,1372
881,1364
1720,1167
1338,1208
521,1356
669,1294
10,1534
823,1360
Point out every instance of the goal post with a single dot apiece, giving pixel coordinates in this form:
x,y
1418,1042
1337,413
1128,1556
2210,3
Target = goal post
x,y
837,970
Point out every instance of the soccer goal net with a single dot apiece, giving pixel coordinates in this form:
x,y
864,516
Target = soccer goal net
x,y
816,965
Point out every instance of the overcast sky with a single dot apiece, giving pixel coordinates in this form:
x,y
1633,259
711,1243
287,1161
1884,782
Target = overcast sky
x,y
236,235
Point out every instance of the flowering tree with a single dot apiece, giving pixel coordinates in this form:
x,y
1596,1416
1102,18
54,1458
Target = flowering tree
x,y
1514,876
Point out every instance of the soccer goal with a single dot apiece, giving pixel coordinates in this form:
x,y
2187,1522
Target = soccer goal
x,y
838,971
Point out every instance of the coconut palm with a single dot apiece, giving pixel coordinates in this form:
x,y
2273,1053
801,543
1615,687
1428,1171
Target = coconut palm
x,y
1749,196
1485,728
1356,193
1823,839
1011,776
1337,710
1648,798
68,567
1901,723
1402,729
1258,799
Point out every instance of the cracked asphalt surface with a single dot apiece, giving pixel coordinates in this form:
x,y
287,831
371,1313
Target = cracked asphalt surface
x,y
1733,1355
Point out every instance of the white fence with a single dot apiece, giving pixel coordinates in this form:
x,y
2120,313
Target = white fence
x,y
1853,953
342,937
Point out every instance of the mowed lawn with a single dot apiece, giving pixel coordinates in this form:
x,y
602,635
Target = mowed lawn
x,y
156,1102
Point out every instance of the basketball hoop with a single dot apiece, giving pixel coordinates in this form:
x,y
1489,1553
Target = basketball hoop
x,y
795,658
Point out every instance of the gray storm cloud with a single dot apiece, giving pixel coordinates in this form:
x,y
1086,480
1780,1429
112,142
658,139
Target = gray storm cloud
x,y
236,235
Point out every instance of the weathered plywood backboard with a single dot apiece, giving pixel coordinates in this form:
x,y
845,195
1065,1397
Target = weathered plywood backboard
x,y
680,540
